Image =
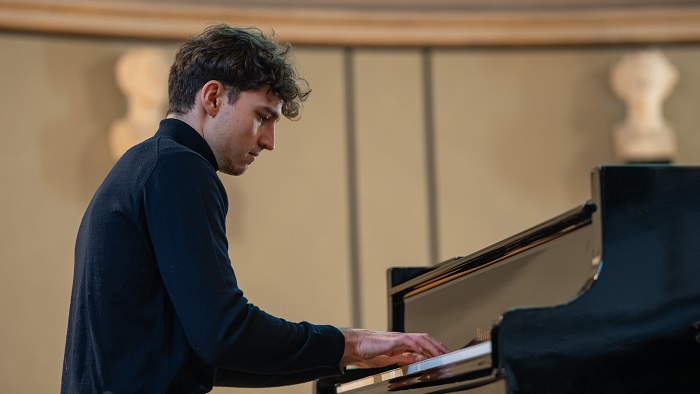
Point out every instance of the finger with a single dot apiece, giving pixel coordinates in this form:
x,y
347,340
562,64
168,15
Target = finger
x,y
435,347
407,358
425,344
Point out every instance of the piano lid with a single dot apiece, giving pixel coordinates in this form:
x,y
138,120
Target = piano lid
x,y
637,329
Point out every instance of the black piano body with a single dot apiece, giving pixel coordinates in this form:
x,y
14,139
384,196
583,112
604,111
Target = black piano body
x,y
604,298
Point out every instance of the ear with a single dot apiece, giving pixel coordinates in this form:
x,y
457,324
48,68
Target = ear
x,y
212,97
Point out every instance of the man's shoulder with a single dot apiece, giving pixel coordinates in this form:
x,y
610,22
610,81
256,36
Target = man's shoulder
x,y
159,149
167,149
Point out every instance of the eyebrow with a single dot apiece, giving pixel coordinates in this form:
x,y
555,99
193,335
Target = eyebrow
x,y
272,112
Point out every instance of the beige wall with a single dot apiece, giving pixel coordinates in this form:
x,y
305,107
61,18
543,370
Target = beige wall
x,y
516,134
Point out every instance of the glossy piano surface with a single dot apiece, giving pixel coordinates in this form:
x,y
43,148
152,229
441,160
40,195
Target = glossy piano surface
x,y
604,298
637,329
464,297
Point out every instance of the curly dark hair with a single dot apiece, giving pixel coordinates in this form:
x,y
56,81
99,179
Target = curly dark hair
x,y
241,59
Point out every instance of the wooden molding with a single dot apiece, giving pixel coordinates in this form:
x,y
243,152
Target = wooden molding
x,y
360,27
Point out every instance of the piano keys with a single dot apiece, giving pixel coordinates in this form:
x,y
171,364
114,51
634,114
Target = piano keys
x,y
603,298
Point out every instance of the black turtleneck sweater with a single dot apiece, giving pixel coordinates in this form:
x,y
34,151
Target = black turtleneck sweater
x,y
155,306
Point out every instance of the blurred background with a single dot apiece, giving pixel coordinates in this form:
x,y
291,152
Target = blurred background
x,y
432,131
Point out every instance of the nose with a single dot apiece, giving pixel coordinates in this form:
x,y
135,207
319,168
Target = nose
x,y
267,137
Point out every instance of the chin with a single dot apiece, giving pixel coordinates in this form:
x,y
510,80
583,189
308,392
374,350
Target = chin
x,y
229,168
235,171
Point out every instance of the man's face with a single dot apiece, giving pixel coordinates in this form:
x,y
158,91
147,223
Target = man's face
x,y
240,131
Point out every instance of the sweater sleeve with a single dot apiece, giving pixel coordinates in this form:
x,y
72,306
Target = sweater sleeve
x,y
185,207
228,378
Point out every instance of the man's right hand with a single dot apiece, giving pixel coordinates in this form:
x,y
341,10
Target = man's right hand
x,y
374,349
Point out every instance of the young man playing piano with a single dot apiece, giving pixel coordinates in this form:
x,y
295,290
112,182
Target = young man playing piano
x,y
155,305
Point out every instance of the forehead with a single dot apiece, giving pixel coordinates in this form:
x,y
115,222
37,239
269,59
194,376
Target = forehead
x,y
263,97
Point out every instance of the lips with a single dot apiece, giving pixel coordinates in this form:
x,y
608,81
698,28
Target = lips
x,y
253,155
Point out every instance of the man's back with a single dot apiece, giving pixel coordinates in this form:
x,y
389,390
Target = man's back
x,y
123,329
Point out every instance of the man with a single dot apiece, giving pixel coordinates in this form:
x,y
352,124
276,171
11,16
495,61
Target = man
x,y
155,305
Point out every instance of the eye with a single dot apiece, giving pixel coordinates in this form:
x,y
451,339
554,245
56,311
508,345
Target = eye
x,y
262,118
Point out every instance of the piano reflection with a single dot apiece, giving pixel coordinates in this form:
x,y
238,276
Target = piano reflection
x,y
604,298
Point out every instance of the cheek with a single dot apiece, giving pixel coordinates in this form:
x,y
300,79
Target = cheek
x,y
246,133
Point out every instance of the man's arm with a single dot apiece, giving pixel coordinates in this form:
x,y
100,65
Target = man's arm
x,y
363,348
185,208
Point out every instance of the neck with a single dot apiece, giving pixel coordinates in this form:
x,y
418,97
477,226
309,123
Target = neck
x,y
188,118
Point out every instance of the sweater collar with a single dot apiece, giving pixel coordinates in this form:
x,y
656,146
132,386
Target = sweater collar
x,y
185,135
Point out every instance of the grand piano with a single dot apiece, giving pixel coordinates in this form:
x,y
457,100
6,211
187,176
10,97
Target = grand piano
x,y
604,298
